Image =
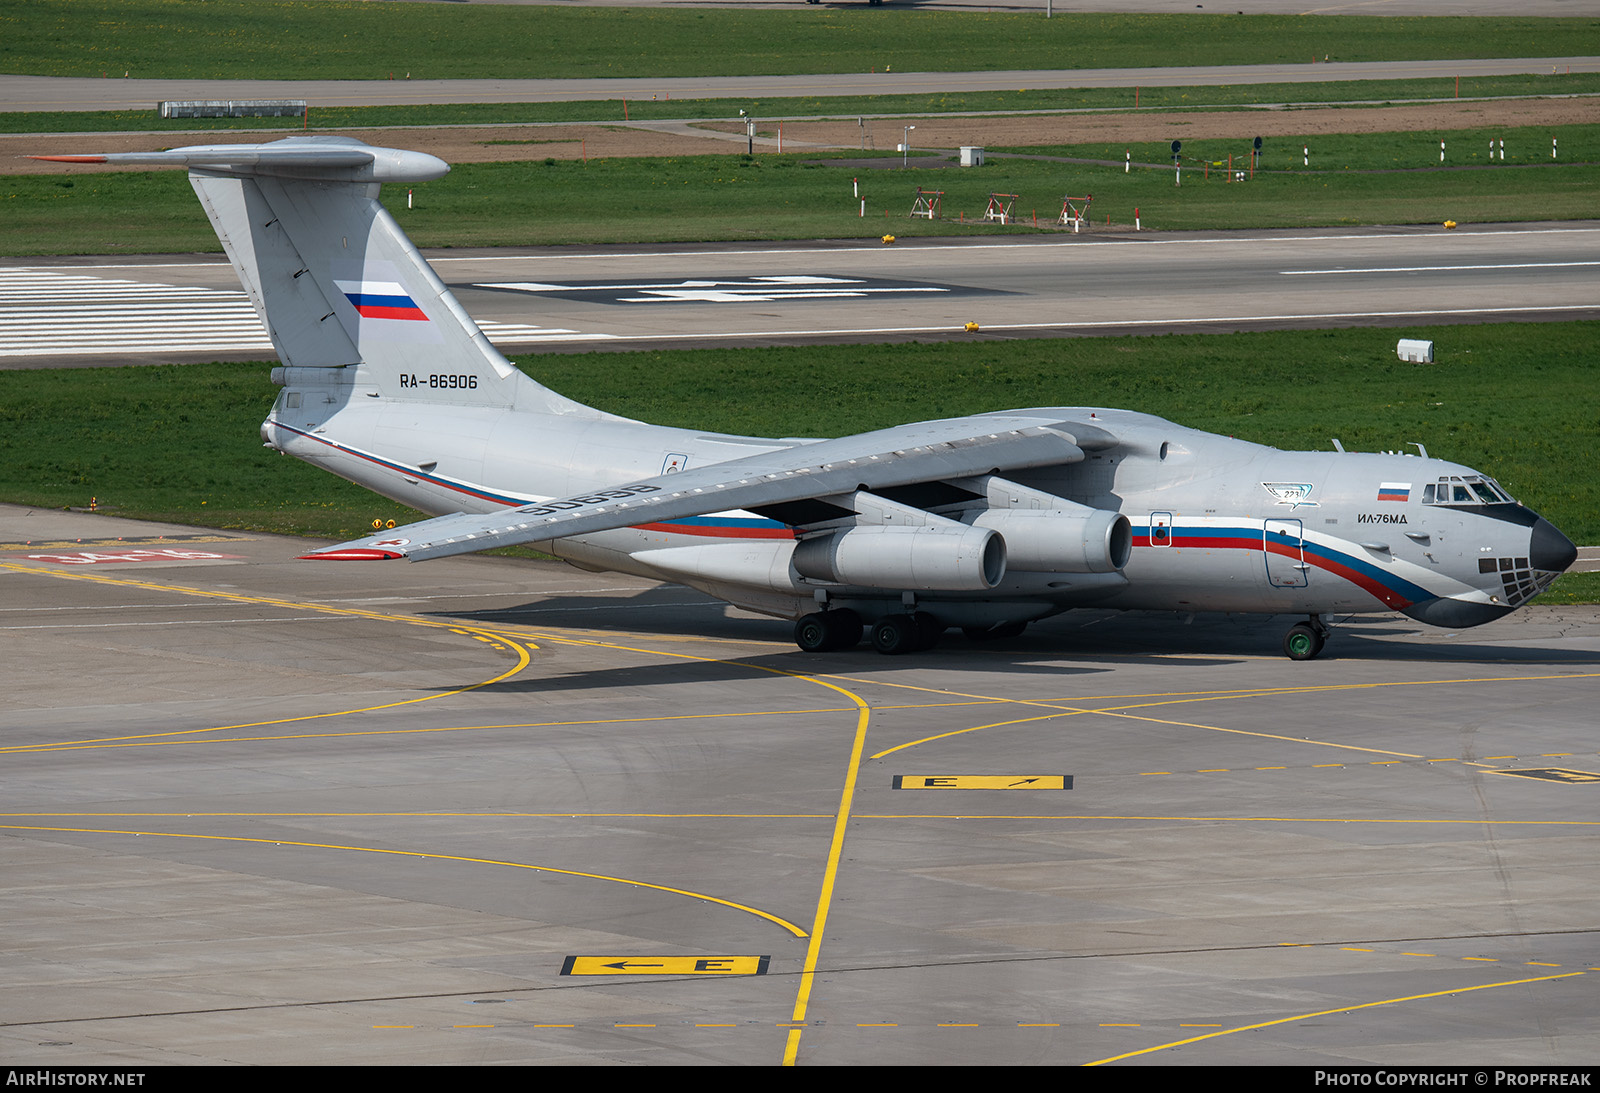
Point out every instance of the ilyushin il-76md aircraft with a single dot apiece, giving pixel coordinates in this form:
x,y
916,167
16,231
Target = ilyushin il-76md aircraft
x,y
985,522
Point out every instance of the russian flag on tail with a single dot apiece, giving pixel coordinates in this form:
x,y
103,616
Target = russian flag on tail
x,y
381,300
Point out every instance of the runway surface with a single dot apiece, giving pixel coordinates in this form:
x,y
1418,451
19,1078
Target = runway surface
x,y
495,811
24,93
114,311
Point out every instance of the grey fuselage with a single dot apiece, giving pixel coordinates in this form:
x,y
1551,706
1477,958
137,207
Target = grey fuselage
x,y
1217,524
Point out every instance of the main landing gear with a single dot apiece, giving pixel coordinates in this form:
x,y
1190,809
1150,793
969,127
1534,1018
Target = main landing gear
x,y
892,635
896,634
826,631
1305,639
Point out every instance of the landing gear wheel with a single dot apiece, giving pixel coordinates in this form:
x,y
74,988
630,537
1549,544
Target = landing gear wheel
x,y
1303,641
894,635
812,633
824,631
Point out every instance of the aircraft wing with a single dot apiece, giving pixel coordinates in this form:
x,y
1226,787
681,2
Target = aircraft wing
x,y
905,455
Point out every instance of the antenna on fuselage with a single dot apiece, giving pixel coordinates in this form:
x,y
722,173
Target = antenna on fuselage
x,y
1337,446
1421,450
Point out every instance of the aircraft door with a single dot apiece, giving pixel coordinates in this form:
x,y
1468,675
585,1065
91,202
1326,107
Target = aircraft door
x,y
1160,529
1283,546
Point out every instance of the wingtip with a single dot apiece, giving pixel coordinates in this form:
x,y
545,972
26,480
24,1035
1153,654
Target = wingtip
x,y
354,554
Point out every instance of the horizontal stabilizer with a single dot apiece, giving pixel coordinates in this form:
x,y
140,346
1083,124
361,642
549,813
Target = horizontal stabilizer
x,y
341,159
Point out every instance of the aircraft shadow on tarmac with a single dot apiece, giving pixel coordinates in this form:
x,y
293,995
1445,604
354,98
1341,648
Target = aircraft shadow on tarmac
x,y
736,668
1262,636
1083,642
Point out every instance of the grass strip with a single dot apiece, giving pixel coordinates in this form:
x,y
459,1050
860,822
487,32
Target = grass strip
x,y
180,443
257,39
1371,179
1415,150
1150,99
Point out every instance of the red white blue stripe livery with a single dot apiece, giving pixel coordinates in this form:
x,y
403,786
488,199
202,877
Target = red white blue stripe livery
x,y
382,300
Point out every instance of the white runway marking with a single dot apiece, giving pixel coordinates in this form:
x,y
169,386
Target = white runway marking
x,y
50,312
761,290
1435,269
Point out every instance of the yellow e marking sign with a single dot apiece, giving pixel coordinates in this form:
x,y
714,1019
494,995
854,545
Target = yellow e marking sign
x,y
983,781
665,965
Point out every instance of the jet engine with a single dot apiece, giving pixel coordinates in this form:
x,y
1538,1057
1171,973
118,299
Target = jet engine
x,y
953,558
1077,540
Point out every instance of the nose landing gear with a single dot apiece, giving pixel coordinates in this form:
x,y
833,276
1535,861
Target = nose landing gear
x,y
1305,639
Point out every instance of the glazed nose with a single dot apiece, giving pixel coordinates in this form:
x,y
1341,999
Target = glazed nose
x,y
1550,550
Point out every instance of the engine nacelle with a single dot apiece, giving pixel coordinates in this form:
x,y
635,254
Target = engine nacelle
x,y
1078,540
941,558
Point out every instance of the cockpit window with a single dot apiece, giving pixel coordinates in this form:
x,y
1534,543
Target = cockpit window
x,y
1466,490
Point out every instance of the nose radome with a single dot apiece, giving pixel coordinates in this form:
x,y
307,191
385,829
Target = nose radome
x,y
1549,549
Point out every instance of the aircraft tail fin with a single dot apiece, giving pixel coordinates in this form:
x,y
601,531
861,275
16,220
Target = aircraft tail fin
x,y
334,279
